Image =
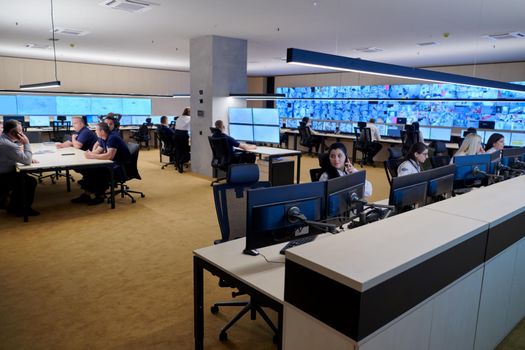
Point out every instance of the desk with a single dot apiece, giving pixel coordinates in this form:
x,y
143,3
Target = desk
x,y
260,279
50,159
272,153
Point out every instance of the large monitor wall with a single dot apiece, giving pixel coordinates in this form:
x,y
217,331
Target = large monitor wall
x,y
459,113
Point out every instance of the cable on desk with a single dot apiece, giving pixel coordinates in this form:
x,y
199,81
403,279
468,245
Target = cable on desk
x,y
270,261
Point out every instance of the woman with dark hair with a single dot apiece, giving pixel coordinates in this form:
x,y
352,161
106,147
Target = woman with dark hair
x,y
495,143
417,155
338,164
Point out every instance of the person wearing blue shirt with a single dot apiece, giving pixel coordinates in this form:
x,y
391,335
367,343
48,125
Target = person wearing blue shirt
x,y
82,138
235,156
96,181
164,128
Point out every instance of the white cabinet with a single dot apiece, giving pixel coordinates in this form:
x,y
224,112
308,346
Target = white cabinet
x,y
517,294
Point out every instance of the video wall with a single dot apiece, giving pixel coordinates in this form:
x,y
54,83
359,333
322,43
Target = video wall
x,y
254,124
72,105
506,115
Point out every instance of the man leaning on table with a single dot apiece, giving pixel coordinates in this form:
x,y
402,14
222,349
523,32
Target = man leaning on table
x,y
95,181
15,148
82,137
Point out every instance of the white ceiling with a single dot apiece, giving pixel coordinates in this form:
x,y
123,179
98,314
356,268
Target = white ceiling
x,y
159,38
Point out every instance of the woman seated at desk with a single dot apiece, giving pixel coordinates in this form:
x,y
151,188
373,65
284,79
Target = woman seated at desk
x,y
496,143
416,156
471,146
339,165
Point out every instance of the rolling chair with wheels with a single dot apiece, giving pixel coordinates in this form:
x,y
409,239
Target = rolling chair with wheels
x,y
363,144
129,172
221,158
167,148
142,135
230,205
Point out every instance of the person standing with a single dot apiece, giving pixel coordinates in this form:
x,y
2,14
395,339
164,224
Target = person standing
x,y
15,148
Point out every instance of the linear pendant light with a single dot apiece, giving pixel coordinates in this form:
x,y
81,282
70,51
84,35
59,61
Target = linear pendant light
x,y
341,63
48,84
259,97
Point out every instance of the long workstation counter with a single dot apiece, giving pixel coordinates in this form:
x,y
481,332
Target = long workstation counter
x,y
446,276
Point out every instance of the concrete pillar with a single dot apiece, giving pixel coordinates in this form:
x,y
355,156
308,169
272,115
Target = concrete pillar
x,y
217,68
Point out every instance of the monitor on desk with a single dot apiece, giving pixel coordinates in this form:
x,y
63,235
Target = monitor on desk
x,y
440,134
470,168
512,157
425,130
241,132
343,194
93,119
240,115
39,121
126,120
408,191
440,181
267,134
393,131
265,116
138,120
346,128
401,121
273,213
517,139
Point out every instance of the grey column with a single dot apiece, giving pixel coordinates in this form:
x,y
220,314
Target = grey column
x,y
217,68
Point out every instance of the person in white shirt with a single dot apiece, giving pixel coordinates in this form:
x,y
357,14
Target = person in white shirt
x,y
417,155
375,146
495,143
182,139
339,165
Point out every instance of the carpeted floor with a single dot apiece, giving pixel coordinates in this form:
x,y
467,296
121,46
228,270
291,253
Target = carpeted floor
x,y
80,277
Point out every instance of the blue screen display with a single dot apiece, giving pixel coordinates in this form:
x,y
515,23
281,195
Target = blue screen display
x,y
426,132
126,120
8,105
440,134
136,106
36,105
102,106
266,116
73,105
92,119
37,120
241,132
136,120
269,134
240,115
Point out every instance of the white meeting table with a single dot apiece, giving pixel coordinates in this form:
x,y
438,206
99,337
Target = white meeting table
x,y
51,158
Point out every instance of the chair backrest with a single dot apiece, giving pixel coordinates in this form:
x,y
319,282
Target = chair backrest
x,y
221,157
315,174
61,129
394,153
230,199
363,137
439,147
144,131
34,136
391,166
409,137
305,134
439,161
168,145
132,171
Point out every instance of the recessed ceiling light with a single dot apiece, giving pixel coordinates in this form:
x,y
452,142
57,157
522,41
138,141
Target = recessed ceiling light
x,y
70,31
369,49
428,43
505,36
37,46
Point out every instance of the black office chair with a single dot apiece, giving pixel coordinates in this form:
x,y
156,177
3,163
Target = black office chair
x,y
61,130
167,148
230,205
182,149
305,135
409,137
142,135
315,174
439,161
129,171
391,166
363,144
221,158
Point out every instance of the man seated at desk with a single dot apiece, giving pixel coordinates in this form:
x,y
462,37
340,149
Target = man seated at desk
x,y
164,128
82,138
235,156
15,148
95,181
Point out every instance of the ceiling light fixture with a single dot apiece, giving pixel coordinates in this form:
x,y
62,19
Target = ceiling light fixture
x,y
259,97
341,63
49,84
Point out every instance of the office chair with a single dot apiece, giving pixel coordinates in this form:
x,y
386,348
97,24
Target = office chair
x,y
167,148
315,174
61,130
363,144
182,149
408,137
439,148
230,205
305,137
324,162
439,161
391,166
221,158
129,172
142,135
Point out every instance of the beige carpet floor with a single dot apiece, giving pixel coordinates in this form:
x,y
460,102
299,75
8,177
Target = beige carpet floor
x,y
80,277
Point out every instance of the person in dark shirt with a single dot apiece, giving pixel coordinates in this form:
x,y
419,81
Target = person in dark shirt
x,y
235,156
164,127
82,138
96,181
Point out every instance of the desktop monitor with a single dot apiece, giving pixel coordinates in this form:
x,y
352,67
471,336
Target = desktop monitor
x,y
346,128
382,128
270,212
486,124
517,139
401,121
393,131
440,134
126,120
265,116
39,121
268,134
137,120
241,132
425,130
440,180
240,115
18,118
408,191
155,119
512,157
469,168
342,193
93,119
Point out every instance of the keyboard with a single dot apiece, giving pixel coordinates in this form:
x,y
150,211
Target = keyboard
x,y
297,242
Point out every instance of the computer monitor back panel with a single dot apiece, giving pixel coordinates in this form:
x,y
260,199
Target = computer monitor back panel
x,y
466,165
340,193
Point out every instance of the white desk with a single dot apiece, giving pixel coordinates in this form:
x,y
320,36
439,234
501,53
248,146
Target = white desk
x,y
50,159
272,153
